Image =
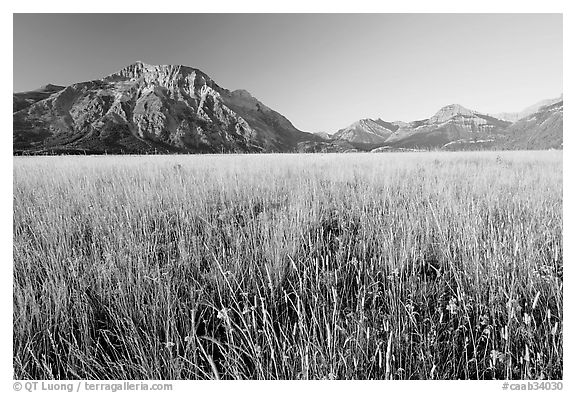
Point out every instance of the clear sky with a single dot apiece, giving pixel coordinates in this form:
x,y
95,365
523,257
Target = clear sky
x,y
322,71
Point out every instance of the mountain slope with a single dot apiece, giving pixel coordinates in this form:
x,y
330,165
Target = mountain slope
x,y
540,130
515,116
324,135
451,123
366,131
146,108
25,99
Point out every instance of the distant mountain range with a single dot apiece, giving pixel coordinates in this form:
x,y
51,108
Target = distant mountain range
x,y
539,130
515,116
146,108
454,127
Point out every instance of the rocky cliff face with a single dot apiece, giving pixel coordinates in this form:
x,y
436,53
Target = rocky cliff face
x,y
148,108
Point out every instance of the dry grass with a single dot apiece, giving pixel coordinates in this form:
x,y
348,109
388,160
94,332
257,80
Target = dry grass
x,y
401,266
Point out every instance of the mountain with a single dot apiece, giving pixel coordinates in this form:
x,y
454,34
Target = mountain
x,y
178,109
540,130
324,135
515,116
450,124
27,98
366,131
455,127
150,108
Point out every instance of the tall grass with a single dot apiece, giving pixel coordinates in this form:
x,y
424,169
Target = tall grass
x,y
387,266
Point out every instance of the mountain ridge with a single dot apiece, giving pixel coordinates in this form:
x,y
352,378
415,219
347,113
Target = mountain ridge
x,y
540,130
145,108
450,123
515,116
455,127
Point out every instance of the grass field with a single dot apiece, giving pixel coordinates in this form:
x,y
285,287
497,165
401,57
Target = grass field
x,y
386,266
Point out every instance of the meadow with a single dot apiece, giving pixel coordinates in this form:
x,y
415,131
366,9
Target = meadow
x,y
335,266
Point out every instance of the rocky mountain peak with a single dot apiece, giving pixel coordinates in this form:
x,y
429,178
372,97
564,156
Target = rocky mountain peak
x,y
367,131
144,108
139,68
172,77
449,111
363,122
